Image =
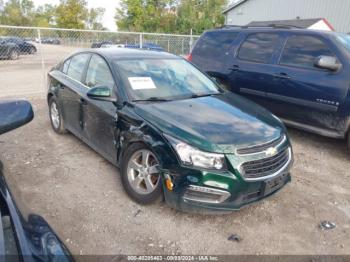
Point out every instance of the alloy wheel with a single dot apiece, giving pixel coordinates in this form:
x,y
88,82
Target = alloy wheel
x,y
142,172
55,115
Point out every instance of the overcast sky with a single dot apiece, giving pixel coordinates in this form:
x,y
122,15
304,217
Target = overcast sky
x,y
110,6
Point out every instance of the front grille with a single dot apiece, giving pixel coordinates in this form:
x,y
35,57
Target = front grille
x,y
265,167
260,148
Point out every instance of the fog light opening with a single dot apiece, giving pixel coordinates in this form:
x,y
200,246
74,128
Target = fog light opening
x,y
206,194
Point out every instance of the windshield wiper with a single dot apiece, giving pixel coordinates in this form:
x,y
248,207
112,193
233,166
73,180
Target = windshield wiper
x,y
203,95
152,99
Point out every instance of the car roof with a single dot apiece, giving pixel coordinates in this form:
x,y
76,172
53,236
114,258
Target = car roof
x,y
115,53
272,29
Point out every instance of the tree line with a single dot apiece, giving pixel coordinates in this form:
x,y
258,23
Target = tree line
x,y
67,14
170,16
163,16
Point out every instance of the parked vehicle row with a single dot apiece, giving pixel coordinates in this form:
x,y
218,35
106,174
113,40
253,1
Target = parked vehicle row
x,y
146,46
12,47
172,131
300,75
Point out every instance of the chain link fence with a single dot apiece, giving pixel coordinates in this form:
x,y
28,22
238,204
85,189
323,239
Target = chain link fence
x,y
28,53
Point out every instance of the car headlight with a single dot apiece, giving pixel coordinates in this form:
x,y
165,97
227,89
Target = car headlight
x,y
191,156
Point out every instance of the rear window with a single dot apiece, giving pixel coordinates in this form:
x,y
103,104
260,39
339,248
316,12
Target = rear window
x,y
77,66
259,47
214,42
65,66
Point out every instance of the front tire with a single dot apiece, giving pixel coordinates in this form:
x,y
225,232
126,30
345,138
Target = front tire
x,y
140,176
56,118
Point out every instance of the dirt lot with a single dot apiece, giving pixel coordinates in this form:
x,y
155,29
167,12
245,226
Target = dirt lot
x,y
27,75
80,194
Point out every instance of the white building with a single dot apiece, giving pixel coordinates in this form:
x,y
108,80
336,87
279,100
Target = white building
x,y
329,13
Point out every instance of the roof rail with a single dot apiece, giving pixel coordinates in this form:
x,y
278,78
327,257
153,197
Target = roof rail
x,y
274,26
229,26
286,26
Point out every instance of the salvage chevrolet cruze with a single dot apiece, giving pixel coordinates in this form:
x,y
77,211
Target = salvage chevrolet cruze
x,y
170,129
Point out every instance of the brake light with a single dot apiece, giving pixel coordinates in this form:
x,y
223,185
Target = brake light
x,y
189,57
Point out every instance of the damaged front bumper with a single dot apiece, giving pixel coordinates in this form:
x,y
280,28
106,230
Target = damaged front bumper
x,y
202,191
184,198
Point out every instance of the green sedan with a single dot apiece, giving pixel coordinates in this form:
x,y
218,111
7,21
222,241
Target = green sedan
x,y
172,131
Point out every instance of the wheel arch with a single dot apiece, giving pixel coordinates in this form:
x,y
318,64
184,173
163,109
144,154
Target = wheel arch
x,y
152,139
49,96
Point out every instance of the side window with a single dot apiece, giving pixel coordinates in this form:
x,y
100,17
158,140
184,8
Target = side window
x,y
65,66
302,51
212,43
77,66
259,47
98,73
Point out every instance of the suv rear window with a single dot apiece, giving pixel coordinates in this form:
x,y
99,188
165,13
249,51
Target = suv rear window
x,y
258,47
302,51
212,43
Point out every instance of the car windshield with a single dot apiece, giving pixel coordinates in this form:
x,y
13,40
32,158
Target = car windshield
x,y
344,40
163,79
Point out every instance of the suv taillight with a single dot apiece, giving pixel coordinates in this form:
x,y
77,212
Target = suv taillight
x,y
189,57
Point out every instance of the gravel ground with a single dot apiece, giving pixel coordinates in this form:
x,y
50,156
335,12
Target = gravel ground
x,y
81,196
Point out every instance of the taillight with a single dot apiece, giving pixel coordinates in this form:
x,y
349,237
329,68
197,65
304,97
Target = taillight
x,y
189,57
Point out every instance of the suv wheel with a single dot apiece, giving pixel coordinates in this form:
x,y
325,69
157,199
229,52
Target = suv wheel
x,y
56,119
140,175
14,54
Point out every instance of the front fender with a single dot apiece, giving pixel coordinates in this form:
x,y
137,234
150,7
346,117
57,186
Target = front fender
x,y
133,129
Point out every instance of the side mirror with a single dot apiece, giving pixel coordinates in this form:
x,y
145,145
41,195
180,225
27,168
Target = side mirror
x,y
14,114
101,93
327,62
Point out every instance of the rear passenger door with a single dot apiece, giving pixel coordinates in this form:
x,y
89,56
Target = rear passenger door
x,y
253,66
99,117
72,91
302,92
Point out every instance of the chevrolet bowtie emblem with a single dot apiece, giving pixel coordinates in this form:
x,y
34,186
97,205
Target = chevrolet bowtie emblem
x,y
271,151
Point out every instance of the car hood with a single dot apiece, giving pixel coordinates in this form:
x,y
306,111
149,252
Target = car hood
x,y
219,123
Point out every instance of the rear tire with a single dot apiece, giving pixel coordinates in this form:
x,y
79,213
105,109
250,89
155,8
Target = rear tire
x,y
140,176
56,118
14,54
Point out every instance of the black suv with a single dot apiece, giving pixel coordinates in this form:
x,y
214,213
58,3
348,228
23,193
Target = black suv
x,y
301,75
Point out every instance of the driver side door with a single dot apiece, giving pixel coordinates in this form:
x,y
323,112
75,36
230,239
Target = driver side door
x,y
99,117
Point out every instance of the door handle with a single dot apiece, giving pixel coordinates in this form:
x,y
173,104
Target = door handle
x,y
83,101
282,76
234,68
